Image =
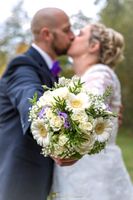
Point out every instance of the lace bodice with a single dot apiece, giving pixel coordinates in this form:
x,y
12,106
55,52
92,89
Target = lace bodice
x,y
97,79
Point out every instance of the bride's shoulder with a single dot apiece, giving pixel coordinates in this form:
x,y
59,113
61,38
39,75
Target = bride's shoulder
x,y
100,71
99,68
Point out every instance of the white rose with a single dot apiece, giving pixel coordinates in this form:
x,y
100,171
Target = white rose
x,y
56,123
62,140
61,92
49,113
85,147
46,99
86,127
79,116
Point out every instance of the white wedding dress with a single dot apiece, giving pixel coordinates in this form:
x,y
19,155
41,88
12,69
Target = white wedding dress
x,y
102,176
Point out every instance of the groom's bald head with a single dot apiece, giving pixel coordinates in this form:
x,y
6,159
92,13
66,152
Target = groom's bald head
x,y
47,17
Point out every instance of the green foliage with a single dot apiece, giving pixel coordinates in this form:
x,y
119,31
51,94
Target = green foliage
x,y
45,87
60,104
118,15
97,147
76,88
107,93
34,99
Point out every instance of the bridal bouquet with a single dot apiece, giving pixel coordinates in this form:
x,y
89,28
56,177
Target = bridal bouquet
x,y
68,121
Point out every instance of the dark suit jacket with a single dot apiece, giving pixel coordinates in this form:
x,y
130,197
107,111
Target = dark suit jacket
x,y
24,173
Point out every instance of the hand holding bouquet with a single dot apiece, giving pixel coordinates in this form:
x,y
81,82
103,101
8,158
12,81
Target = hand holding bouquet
x,y
67,121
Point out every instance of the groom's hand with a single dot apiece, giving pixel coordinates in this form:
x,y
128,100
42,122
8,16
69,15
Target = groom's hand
x,y
64,162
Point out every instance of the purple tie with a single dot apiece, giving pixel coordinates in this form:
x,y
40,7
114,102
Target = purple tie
x,y
56,68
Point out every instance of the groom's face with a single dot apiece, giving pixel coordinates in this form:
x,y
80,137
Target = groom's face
x,y
62,36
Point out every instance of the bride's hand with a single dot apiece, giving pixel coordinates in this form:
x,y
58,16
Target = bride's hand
x,y
65,162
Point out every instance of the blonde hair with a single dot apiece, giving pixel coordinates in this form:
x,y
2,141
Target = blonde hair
x,y
111,44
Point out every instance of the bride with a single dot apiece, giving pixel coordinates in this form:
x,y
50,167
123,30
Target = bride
x,y
95,52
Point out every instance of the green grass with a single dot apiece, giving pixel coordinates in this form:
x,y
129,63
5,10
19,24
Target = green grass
x,y
125,141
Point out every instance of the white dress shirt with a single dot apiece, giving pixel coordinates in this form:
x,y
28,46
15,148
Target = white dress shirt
x,y
45,56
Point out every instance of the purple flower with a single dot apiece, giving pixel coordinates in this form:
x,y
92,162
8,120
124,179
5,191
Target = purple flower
x,y
67,124
42,112
65,116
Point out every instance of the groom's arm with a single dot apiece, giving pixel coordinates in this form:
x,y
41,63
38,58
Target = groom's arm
x,y
22,83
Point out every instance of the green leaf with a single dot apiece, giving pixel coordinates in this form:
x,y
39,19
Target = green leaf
x,y
34,99
107,92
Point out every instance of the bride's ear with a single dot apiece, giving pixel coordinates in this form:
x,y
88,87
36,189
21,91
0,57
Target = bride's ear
x,y
94,46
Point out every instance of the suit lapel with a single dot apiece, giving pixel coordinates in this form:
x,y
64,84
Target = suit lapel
x,y
38,59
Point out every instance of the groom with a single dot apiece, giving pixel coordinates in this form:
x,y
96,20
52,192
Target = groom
x,y
24,173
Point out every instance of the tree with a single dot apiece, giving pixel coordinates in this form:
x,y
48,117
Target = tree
x,y
13,32
79,20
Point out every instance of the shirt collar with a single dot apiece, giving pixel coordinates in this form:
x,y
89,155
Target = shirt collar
x,y
45,56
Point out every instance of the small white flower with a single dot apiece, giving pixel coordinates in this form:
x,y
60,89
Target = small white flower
x,y
64,81
103,106
100,106
76,102
33,112
74,81
102,129
75,78
40,132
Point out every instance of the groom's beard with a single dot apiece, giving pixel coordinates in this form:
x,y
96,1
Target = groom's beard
x,y
56,46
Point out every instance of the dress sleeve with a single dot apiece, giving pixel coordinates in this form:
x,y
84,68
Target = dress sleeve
x,y
98,78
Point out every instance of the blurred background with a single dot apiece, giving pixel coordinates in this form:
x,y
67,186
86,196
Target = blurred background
x,y
15,37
